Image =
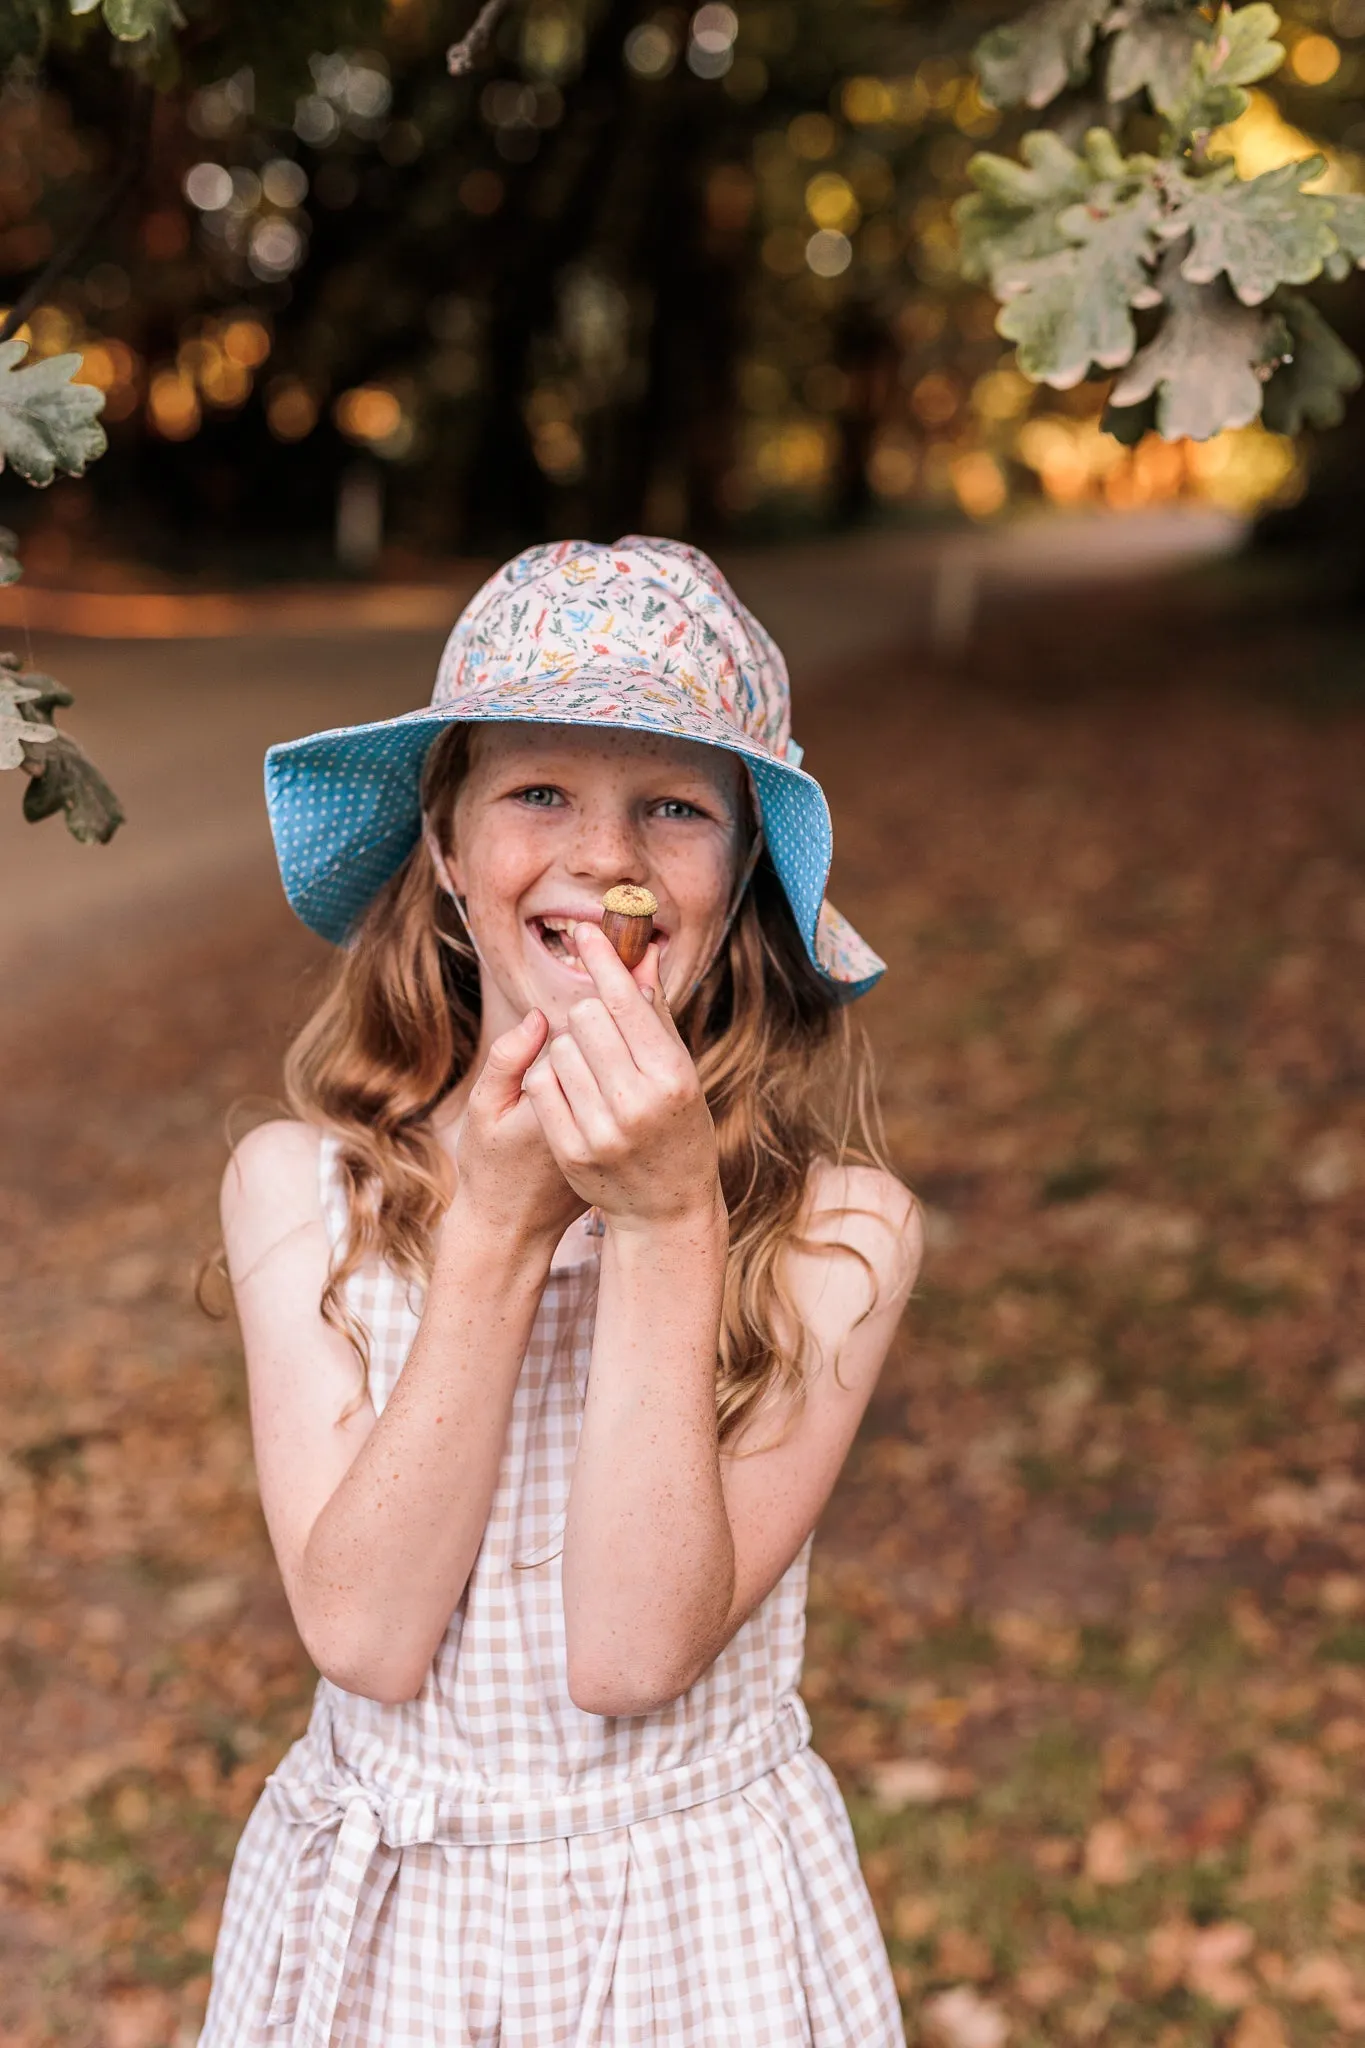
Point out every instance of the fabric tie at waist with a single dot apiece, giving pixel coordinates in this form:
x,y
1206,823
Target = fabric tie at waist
x,y
325,1890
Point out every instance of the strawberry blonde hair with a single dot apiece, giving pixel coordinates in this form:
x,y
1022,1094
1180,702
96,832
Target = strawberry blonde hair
x,y
787,1079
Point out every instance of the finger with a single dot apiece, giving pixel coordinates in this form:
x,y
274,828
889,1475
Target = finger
x,y
556,1119
638,1017
596,1036
509,1057
650,982
597,1126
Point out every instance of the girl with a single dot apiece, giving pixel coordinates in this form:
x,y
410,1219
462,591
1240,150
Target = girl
x,y
562,1300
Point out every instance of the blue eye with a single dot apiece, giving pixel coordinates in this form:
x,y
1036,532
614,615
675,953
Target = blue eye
x,y
676,807
540,797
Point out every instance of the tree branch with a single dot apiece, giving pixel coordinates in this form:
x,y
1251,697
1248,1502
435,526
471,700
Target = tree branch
x,y
134,163
461,57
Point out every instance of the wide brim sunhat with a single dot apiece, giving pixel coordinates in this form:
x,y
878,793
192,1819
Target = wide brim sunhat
x,y
643,636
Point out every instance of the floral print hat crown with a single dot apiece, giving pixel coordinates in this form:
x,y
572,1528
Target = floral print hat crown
x,y
645,635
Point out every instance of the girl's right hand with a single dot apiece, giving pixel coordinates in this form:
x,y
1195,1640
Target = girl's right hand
x,y
507,1172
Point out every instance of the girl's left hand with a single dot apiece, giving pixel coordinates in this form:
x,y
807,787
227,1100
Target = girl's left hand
x,y
619,1101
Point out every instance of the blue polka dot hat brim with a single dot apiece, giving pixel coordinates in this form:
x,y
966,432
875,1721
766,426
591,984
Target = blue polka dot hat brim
x,y
345,808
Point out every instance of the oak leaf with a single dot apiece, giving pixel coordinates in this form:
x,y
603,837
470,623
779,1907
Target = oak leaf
x,y
1241,50
1257,232
20,725
1153,51
1029,61
1012,215
1309,388
1204,365
1072,309
47,423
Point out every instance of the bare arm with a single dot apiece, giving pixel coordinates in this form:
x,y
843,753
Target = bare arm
x,y
669,1545
376,1521
672,1544
649,1561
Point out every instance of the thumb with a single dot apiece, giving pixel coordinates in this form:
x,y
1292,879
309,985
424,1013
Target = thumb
x,y
508,1058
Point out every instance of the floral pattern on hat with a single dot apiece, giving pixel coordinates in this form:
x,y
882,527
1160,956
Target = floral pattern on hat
x,y
652,610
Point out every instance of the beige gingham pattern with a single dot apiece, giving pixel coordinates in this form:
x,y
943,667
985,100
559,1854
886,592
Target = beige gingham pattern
x,y
487,1866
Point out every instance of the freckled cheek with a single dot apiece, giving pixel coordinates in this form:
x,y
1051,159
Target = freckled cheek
x,y
499,872
700,895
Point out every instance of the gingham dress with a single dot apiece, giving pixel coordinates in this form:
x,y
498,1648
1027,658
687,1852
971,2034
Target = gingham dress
x,y
488,1864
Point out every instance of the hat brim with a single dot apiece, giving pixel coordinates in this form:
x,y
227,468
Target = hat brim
x,y
345,806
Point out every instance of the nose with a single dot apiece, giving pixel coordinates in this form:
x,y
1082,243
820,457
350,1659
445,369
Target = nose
x,y
607,846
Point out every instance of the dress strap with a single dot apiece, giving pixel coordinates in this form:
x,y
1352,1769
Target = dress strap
x,y
330,1190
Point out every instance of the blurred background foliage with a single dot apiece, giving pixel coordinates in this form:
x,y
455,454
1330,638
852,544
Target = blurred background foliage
x,y
689,270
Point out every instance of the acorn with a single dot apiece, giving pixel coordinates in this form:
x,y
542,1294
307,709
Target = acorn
x,y
628,920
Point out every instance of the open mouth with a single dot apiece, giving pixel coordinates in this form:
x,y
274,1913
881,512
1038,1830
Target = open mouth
x,y
556,936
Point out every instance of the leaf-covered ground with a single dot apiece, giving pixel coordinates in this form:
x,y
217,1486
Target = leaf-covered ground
x,y
1087,1640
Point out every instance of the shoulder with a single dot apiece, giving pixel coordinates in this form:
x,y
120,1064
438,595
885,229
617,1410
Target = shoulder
x,y
868,1212
270,1185
845,1276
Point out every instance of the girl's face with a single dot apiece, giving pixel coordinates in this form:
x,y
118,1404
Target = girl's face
x,y
550,816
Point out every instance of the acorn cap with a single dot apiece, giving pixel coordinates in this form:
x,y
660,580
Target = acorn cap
x,y
628,899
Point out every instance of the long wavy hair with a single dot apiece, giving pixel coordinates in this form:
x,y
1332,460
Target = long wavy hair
x,y
787,1077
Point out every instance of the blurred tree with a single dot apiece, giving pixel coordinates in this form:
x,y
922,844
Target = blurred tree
x,y
646,265
691,268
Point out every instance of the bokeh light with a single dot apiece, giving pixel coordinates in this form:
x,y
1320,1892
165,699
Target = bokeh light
x,y
284,183
246,341
830,202
208,186
369,413
829,253
1315,59
711,46
173,408
651,50
291,410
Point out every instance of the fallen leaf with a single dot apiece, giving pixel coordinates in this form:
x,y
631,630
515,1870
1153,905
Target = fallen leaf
x,y
1039,1640
104,1624
1259,2027
1054,1853
1211,1959
960,1954
1296,1771
1109,1853
962,2018
907,1781
1322,1980
1249,1624
201,1602
1167,1949
1347,1917
1342,1593
1277,1848
1223,1817
136,2019
1329,1168
913,1916
25,1832
1042,1984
